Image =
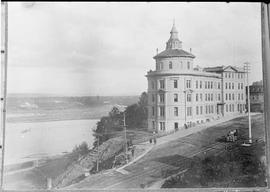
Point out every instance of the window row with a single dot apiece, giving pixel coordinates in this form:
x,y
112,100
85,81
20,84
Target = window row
x,y
188,84
199,97
234,75
160,65
230,96
230,108
209,109
231,85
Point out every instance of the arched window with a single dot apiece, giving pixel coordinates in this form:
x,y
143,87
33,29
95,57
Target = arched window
x,y
170,65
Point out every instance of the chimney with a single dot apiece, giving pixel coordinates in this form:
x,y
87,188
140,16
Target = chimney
x,y
157,50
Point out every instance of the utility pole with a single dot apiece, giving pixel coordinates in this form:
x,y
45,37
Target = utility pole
x,y
97,153
4,57
125,132
185,91
247,68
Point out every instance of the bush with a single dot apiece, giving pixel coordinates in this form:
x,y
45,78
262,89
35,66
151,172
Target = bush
x,y
80,150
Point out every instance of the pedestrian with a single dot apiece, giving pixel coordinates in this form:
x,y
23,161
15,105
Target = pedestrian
x,y
133,151
150,140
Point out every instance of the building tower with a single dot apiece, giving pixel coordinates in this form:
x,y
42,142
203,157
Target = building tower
x,y
172,93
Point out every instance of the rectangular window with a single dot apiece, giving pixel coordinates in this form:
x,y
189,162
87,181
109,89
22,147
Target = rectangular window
x,y
197,96
201,97
153,111
230,108
212,109
211,96
161,84
238,96
196,84
162,126
162,111
188,83
175,83
161,98
226,108
197,110
175,97
201,109
176,125
200,84
218,85
229,75
209,99
153,84
226,96
188,97
233,96
161,65
205,96
232,85
153,98
153,125
175,111
211,84
219,97
229,96
189,111
242,96
205,84
170,66
241,85
229,85
208,84
206,109
226,86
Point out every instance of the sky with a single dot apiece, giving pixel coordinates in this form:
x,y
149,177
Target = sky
x,y
90,49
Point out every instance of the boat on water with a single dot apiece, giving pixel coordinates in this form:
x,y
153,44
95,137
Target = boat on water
x,y
26,130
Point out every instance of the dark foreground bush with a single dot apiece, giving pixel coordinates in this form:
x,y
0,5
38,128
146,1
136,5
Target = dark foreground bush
x,y
238,167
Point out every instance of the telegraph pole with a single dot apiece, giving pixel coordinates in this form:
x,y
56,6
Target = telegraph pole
x,y
97,152
4,54
125,132
247,68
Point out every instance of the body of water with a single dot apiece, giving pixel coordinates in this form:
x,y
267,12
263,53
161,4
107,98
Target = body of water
x,y
28,141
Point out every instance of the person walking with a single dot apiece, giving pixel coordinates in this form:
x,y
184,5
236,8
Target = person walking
x,y
133,151
155,140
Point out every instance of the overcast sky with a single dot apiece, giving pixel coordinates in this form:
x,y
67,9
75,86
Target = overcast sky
x,y
107,48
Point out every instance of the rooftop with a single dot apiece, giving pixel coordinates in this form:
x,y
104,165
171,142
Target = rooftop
x,y
174,53
219,69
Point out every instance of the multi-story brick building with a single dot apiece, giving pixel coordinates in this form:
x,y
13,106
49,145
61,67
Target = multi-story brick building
x,y
179,94
256,96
